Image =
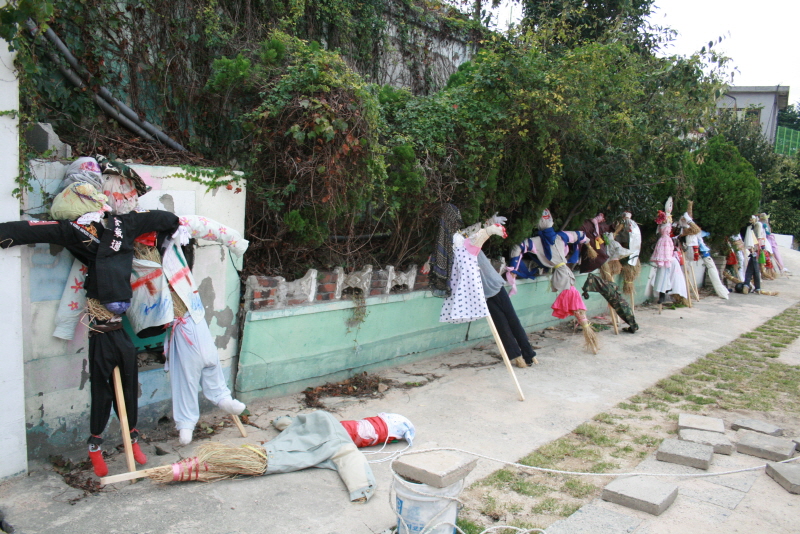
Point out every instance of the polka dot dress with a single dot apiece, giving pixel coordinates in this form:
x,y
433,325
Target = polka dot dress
x,y
466,302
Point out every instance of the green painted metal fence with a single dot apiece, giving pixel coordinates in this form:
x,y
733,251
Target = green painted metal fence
x,y
787,141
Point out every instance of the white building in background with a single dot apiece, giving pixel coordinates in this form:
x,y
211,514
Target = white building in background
x,y
760,103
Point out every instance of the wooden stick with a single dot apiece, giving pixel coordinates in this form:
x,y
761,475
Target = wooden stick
x,y
686,277
123,420
633,302
239,425
504,355
122,477
614,322
694,283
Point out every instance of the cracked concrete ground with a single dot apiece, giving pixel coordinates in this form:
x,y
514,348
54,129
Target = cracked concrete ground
x,y
469,403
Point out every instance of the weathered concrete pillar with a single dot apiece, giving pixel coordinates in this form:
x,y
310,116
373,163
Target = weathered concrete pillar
x,y
13,448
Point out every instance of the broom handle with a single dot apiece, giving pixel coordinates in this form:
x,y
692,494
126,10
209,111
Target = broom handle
x,y
686,277
113,479
614,322
504,355
123,420
694,283
239,425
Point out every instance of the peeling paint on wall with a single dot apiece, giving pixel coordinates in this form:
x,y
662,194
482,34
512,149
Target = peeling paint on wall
x,y
225,318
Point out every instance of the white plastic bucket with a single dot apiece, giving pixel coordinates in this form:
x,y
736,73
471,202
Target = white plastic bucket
x,y
421,506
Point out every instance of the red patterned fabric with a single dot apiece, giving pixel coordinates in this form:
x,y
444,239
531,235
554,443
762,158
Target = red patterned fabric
x,y
378,424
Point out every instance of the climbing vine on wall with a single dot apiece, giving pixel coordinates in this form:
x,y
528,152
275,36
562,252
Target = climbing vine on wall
x,y
574,112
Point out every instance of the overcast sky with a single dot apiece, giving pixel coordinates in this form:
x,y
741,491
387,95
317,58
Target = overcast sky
x,y
762,37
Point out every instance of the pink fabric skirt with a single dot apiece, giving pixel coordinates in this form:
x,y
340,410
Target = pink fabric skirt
x,y
662,255
567,302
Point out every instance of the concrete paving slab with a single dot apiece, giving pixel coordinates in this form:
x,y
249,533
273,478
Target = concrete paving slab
x,y
594,519
738,481
435,468
787,475
711,493
641,493
685,516
685,453
720,442
651,465
796,442
700,422
756,425
764,446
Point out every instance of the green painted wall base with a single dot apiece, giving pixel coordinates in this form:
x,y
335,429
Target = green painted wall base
x,y
287,350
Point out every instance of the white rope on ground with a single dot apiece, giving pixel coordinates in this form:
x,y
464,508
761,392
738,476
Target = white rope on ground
x,y
428,528
581,473
392,454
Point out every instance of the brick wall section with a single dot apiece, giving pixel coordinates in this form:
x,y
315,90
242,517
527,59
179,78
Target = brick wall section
x,y
326,286
261,290
378,282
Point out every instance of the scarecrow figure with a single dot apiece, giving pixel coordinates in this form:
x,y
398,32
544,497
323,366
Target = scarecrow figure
x,y
107,252
554,251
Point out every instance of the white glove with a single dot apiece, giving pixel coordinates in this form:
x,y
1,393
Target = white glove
x,y
497,219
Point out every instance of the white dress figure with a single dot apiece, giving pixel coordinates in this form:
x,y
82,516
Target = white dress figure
x,y
466,301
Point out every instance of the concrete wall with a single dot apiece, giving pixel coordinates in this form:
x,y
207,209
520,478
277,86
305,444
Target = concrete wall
x,y
286,350
437,57
12,416
56,371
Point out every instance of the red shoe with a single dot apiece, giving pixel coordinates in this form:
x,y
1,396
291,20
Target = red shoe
x,y
99,464
138,455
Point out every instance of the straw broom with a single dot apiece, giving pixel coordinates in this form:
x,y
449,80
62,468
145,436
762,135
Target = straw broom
x,y
589,335
214,461
605,271
629,275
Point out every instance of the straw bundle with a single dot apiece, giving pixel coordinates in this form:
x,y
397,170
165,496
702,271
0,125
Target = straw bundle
x,y
679,300
692,229
727,275
146,252
591,253
770,293
629,275
186,470
214,461
97,311
605,271
589,335
244,460
178,306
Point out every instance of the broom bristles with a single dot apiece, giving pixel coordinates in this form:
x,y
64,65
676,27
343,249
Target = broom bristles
x,y
615,267
591,253
693,229
187,470
244,460
214,461
629,275
605,272
590,339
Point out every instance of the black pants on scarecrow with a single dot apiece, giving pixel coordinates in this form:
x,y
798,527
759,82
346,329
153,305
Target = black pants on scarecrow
x,y
512,334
